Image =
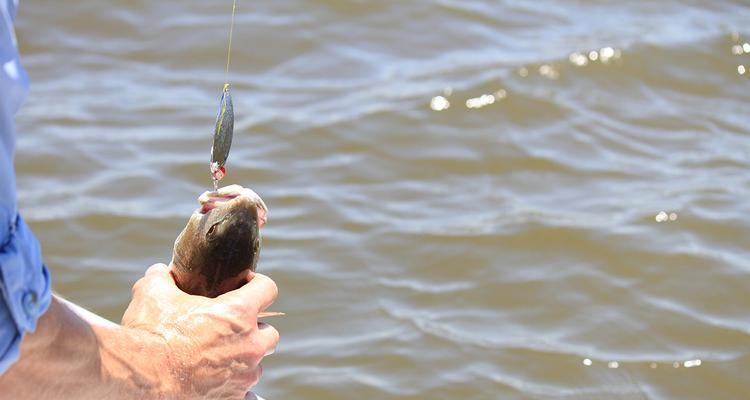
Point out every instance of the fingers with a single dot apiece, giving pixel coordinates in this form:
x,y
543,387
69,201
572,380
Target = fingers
x,y
263,344
268,337
252,297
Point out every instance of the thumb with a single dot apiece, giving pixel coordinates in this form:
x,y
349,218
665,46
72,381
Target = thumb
x,y
158,277
254,296
157,269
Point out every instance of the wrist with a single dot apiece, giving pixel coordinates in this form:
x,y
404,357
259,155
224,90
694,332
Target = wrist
x,y
135,363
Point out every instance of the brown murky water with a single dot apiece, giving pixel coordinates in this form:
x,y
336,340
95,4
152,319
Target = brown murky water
x,y
469,199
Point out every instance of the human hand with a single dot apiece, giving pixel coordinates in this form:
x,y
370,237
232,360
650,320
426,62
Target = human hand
x,y
212,346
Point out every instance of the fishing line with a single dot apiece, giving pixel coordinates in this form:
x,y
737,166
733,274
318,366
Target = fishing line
x,y
229,47
224,121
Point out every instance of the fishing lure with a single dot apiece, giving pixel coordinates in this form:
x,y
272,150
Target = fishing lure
x,y
222,136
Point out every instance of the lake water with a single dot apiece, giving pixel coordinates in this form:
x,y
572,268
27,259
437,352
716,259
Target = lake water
x,y
468,199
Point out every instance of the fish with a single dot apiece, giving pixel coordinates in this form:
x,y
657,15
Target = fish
x,y
220,243
223,132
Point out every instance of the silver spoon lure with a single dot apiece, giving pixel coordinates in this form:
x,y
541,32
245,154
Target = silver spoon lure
x,y
222,137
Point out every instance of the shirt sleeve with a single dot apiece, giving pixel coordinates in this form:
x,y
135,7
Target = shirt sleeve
x,y
24,279
25,290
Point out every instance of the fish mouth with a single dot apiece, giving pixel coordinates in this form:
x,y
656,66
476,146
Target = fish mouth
x,y
229,194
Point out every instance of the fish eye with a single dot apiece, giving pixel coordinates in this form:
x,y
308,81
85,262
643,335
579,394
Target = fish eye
x,y
212,229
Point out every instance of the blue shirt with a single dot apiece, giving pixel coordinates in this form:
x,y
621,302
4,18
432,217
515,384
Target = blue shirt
x,y
24,279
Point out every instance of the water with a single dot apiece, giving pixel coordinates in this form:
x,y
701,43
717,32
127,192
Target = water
x,y
577,230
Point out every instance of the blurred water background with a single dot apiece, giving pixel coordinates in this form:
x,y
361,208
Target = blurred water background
x,y
469,199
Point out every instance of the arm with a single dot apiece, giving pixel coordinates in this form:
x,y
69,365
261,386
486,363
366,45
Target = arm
x,y
170,345
62,359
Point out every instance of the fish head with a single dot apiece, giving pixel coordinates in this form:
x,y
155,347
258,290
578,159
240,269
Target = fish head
x,y
221,241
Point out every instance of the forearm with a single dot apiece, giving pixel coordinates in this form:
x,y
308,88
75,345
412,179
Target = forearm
x,y
71,355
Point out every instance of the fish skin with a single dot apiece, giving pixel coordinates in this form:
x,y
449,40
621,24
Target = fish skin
x,y
219,247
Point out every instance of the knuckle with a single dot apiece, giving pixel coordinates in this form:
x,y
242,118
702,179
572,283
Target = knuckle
x,y
253,376
138,286
272,286
155,268
235,310
146,281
